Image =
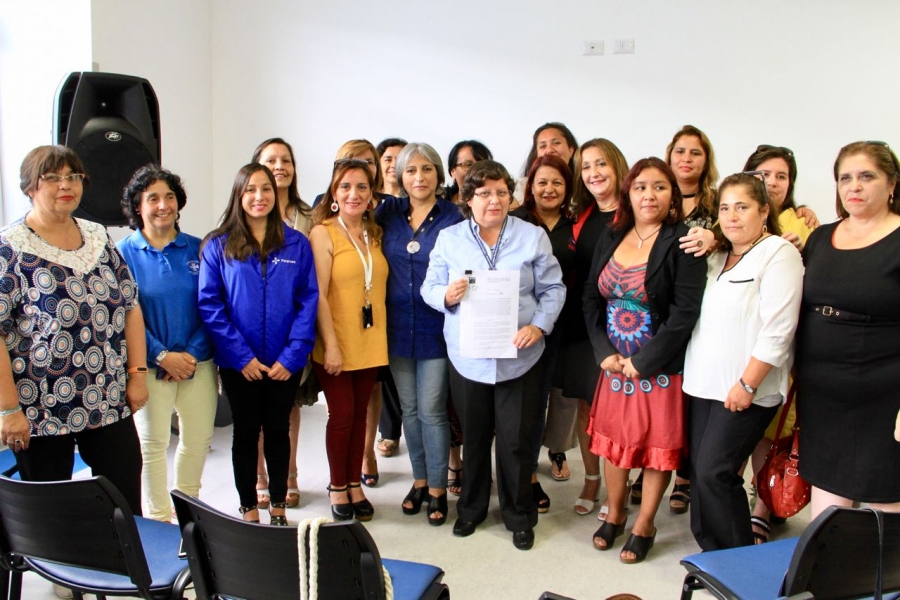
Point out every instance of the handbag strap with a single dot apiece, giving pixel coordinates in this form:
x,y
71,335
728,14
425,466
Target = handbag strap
x,y
784,412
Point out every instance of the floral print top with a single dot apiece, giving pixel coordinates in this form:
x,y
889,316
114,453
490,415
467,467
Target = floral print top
x,y
627,313
62,315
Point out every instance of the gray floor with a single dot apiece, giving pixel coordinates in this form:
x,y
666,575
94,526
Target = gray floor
x,y
484,565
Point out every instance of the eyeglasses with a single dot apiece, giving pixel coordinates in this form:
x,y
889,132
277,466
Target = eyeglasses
x,y
465,164
767,147
57,179
341,162
760,174
499,194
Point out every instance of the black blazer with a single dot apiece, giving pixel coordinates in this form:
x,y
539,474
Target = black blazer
x,y
674,283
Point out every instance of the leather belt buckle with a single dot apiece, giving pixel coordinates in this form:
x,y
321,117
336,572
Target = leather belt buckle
x,y
827,311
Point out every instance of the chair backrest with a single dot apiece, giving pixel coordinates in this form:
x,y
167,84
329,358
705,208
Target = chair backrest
x,y
232,558
85,523
837,555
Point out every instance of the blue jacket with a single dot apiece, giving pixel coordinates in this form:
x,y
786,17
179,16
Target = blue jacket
x,y
267,313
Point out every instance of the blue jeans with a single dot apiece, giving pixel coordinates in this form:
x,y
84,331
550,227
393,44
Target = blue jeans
x,y
422,386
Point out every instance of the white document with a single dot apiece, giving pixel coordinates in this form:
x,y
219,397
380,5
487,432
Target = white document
x,y
489,315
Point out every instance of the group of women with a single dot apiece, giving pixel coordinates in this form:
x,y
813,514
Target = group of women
x,y
657,327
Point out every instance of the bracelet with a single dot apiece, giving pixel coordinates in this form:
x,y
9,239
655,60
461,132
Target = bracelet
x,y
10,411
133,370
752,390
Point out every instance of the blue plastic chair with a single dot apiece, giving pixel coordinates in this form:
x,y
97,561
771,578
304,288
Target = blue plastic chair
x,y
843,553
235,559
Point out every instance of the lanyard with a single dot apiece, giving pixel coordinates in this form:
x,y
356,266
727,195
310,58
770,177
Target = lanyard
x,y
367,266
492,259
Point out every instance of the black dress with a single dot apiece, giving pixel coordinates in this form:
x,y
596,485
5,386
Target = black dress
x,y
848,368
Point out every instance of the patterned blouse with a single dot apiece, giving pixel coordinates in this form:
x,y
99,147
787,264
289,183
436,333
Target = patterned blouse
x,y
62,315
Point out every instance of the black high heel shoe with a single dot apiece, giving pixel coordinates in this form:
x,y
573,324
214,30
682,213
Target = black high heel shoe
x,y
362,510
416,497
278,520
341,512
608,532
437,504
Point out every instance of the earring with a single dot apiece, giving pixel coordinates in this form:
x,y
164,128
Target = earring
x,y
891,199
334,207
672,212
765,230
369,205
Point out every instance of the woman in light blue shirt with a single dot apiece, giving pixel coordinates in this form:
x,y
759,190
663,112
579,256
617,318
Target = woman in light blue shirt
x,y
499,395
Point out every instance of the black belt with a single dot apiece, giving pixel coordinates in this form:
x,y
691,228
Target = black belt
x,y
845,315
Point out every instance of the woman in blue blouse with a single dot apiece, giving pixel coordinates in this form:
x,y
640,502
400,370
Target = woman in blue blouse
x,y
496,394
165,262
417,353
258,300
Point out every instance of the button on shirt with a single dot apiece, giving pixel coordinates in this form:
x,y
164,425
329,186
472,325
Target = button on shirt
x,y
168,281
523,247
414,329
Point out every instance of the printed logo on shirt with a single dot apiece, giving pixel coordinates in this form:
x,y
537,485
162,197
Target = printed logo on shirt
x,y
277,260
193,267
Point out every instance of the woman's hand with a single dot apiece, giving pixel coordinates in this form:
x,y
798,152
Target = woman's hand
x,y
738,398
253,370
612,363
15,431
809,216
628,369
527,336
278,372
794,239
334,362
178,366
136,392
698,241
455,292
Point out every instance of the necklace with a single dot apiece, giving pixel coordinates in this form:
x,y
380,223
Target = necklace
x,y
750,247
644,239
694,195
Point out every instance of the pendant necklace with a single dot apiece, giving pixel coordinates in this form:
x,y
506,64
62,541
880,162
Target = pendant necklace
x,y
644,239
414,246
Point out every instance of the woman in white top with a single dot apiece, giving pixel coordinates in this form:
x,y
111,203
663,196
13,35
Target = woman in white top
x,y
739,356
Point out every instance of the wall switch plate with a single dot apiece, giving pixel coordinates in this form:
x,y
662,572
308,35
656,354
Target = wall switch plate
x,y
592,48
623,46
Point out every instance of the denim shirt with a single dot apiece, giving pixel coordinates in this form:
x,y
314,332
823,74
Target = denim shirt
x,y
523,247
414,329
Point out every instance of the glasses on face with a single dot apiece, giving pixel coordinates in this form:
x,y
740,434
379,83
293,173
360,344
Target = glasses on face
x,y
465,164
498,194
767,147
57,179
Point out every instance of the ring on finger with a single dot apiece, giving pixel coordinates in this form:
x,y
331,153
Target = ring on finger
x,y
699,243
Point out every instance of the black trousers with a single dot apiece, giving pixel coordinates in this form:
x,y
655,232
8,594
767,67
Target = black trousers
x,y
390,422
720,442
113,451
511,409
264,404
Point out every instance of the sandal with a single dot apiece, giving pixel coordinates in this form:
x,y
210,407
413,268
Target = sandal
x,y
680,499
370,479
541,499
585,506
760,537
437,504
362,509
341,512
278,520
246,509
637,489
608,532
558,460
416,497
387,447
262,493
639,545
454,483
292,498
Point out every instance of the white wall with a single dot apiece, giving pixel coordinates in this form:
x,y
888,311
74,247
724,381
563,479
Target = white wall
x,y
810,75
40,43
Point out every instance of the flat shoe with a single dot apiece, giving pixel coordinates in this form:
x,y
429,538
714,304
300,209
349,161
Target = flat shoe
x,y
464,528
416,497
558,460
608,532
639,545
541,499
524,540
680,498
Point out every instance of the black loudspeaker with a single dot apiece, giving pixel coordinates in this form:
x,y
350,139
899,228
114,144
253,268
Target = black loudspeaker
x,y
111,121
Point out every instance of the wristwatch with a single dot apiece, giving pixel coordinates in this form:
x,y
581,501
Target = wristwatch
x,y
161,356
751,390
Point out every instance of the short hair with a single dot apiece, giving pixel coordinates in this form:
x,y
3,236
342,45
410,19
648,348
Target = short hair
x,y
554,162
710,175
756,189
354,149
581,196
883,157
389,143
322,212
766,152
294,199
241,244
412,150
48,159
479,152
483,170
142,179
624,218
532,154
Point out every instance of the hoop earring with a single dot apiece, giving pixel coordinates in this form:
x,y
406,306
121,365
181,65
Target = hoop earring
x,y
334,207
765,230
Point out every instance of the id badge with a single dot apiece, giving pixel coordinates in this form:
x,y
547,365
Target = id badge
x,y
367,316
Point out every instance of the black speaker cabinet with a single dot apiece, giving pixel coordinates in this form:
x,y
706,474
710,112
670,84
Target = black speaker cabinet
x,y
111,121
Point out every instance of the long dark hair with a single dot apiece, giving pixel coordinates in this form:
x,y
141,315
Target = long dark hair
x,y
582,197
570,141
294,200
241,244
624,218
766,152
530,204
756,189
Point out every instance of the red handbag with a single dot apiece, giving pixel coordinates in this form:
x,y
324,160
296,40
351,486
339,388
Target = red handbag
x,y
778,482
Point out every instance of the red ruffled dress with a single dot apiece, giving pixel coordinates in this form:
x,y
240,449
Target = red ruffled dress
x,y
634,423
